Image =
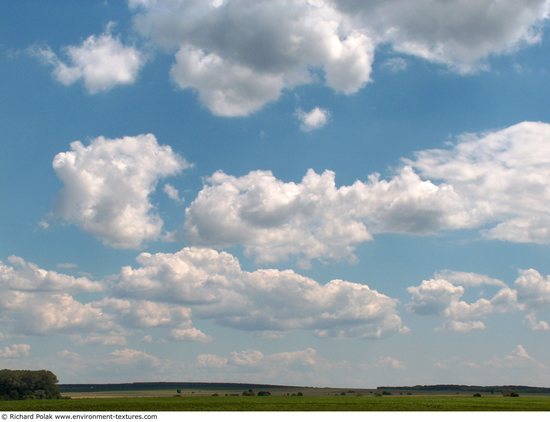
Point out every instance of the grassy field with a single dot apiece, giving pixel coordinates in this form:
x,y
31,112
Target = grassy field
x,y
282,403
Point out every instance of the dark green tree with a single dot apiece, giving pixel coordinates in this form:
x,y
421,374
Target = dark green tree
x,y
24,384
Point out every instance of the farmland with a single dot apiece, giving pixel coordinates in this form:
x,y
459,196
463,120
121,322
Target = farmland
x,y
162,402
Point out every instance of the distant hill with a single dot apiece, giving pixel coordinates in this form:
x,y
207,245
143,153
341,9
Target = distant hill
x,y
220,386
140,386
470,388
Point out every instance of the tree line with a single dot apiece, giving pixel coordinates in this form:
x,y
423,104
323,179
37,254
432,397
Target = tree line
x,y
25,384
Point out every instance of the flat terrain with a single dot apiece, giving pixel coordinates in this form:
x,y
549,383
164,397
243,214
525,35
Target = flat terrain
x,y
286,403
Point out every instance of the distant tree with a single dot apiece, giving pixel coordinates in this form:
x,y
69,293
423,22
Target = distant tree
x,y
24,384
477,395
249,392
263,393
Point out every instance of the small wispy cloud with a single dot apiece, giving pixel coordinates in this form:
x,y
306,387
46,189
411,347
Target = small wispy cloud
x,y
395,64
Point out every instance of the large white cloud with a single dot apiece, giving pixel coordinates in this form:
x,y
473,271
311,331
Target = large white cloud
x,y
315,219
35,301
214,286
240,55
107,186
495,182
501,176
266,46
458,33
101,62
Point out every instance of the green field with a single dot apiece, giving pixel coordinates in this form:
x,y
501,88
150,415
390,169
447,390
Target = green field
x,y
283,403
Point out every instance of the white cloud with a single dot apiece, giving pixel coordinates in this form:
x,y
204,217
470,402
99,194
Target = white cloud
x,y
40,313
34,301
297,360
463,326
273,219
458,33
519,358
495,182
26,276
107,186
101,62
536,325
468,279
501,178
189,334
15,351
390,362
172,193
239,57
442,297
215,287
135,357
211,361
314,219
533,289
395,64
313,119
226,88
433,296
246,358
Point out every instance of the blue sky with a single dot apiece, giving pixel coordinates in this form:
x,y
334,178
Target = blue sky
x,y
303,192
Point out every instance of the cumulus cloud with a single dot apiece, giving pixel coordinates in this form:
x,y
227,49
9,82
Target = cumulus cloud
x,y
442,296
15,351
134,357
26,276
35,301
533,289
502,176
294,360
107,185
214,286
536,325
314,219
189,334
495,182
101,62
458,33
433,296
239,57
314,119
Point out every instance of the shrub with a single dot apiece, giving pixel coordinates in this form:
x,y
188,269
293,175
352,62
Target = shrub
x,y
477,395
